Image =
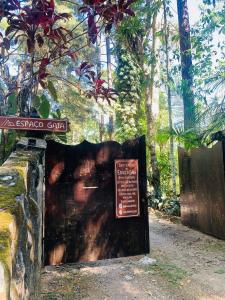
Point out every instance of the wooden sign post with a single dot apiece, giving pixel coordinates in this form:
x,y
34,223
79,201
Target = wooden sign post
x,y
127,188
36,124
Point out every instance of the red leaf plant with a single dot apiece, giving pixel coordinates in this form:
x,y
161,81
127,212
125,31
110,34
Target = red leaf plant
x,y
97,86
37,24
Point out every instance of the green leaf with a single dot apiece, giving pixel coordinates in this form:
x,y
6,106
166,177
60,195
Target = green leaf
x,y
54,116
36,102
12,104
57,114
176,38
159,33
62,137
44,108
52,90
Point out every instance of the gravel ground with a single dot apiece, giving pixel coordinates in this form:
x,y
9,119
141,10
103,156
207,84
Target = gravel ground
x,y
184,264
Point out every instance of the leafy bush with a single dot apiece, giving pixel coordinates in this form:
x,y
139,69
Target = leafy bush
x,y
168,206
165,173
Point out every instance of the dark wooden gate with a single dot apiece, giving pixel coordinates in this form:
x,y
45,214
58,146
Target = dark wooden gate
x,y
80,219
202,181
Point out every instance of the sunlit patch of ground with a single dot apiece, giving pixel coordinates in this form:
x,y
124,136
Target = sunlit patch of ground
x,y
189,266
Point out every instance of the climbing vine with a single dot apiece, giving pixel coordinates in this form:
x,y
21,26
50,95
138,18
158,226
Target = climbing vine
x,y
128,83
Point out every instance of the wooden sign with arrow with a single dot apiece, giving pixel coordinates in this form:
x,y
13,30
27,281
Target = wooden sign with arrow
x,y
36,124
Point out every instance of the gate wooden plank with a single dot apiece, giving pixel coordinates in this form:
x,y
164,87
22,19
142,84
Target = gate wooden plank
x,y
80,203
202,180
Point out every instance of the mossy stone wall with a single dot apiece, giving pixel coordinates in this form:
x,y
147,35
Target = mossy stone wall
x,y
21,207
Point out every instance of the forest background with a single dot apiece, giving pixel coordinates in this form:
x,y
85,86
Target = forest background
x,y
118,70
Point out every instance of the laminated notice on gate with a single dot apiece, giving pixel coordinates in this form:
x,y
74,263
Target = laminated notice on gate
x,y
127,188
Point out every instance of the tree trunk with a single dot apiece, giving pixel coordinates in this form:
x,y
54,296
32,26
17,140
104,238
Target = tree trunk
x,y
101,128
109,62
109,77
2,146
99,69
138,115
2,134
186,65
172,157
150,117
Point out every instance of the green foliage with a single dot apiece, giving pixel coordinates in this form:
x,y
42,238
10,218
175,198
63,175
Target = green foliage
x,y
60,137
7,137
216,246
128,84
128,77
12,104
171,272
42,106
133,51
210,120
187,138
57,114
52,90
220,271
165,172
36,102
170,206
11,139
125,122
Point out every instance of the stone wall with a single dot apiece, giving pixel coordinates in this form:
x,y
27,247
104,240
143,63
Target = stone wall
x,y
21,206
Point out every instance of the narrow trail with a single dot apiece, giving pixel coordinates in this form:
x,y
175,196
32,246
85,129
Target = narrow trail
x,y
189,265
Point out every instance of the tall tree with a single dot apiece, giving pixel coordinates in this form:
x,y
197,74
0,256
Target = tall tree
x,y
138,42
2,131
99,71
110,82
186,64
149,98
169,98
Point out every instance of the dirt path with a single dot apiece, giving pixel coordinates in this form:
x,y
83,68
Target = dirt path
x,y
189,265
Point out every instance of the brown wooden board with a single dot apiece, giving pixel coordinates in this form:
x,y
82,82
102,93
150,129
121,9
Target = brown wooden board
x,y
202,182
35,124
80,218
